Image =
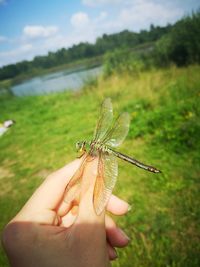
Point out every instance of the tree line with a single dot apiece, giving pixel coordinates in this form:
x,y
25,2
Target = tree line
x,y
84,50
178,43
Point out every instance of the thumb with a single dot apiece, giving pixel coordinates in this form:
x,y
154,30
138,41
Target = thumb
x,y
86,212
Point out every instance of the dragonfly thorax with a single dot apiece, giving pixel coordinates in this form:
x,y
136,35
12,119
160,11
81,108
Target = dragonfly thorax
x,y
81,146
92,145
99,146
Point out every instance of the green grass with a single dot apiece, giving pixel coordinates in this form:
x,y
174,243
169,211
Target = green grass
x,y
164,105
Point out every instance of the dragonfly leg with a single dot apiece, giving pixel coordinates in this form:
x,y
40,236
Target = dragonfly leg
x,y
81,155
90,159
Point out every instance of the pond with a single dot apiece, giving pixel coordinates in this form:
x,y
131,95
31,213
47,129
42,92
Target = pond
x,y
56,82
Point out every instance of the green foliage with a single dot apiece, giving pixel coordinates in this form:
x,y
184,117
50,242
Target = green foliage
x,y
182,44
161,52
90,83
176,126
122,61
185,41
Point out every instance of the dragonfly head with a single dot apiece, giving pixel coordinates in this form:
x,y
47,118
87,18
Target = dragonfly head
x,y
80,146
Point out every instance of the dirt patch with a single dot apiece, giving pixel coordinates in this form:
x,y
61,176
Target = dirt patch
x,y
6,188
42,173
5,183
8,162
5,173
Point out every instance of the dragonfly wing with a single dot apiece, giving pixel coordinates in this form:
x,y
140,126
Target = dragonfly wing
x,y
105,119
105,181
73,188
119,131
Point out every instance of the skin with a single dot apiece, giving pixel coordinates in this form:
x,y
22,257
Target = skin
x,y
46,232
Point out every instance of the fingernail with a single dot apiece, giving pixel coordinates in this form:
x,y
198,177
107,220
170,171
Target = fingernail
x,y
57,220
124,234
74,210
114,255
129,207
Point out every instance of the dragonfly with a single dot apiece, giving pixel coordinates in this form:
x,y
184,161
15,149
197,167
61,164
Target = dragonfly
x,y
107,136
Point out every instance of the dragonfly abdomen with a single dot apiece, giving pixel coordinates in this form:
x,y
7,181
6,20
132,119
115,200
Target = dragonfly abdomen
x,y
136,162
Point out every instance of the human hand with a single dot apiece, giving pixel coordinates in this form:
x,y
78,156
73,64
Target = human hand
x,y
46,233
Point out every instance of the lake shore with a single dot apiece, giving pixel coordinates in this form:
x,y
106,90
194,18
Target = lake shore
x,y
70,67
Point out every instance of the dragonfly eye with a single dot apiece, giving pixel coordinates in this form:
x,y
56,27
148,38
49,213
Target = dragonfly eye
x,y
78,145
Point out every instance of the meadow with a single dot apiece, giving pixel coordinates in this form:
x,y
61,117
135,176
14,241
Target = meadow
x,y
164,222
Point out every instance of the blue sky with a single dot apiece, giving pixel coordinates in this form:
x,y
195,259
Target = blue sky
x,y
34,27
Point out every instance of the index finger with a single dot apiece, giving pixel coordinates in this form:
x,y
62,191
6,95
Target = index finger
x,y
51,191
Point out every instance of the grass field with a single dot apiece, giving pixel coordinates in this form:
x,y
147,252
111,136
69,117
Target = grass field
x,y
164,223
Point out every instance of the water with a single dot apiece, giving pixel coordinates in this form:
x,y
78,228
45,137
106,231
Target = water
x,y
55,82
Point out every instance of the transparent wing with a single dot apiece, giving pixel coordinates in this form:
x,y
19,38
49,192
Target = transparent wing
x,y
105,119
105,181
73,188
118,132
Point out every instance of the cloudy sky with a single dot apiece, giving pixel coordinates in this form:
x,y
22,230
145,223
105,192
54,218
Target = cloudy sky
x,y
34,27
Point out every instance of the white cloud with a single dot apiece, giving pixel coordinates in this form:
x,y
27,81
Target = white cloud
x,y
85,28
102,16
3,39
14,55
142,13
79,20
93,3
26,47
38,31
135,14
